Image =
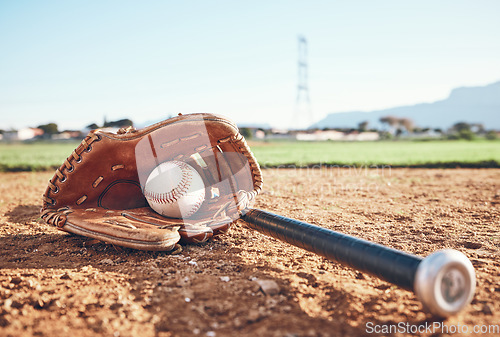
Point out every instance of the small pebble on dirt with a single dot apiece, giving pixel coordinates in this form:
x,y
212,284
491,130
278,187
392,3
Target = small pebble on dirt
x,y
268,287
107,261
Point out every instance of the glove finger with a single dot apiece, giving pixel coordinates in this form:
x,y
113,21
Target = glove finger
x,y
114,228
190,232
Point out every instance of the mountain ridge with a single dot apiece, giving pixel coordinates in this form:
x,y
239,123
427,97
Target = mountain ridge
x,y
479,104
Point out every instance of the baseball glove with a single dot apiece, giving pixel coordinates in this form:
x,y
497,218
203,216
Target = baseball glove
x,y
98,190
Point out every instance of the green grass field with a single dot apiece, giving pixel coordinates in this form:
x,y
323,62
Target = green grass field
x,y
34,156
479,153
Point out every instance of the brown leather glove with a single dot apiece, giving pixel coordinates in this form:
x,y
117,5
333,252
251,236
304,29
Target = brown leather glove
x,y
98,190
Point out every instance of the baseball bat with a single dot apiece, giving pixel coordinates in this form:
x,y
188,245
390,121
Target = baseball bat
x,y
444,281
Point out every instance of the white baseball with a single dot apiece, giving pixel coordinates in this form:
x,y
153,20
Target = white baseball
x,y
174,189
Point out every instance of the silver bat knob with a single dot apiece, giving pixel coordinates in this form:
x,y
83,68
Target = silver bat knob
x,y
445,282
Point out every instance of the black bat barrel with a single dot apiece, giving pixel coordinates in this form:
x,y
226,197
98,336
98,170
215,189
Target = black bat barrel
x,y
388,264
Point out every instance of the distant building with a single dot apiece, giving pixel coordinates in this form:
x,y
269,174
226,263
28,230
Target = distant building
x,y
22,134
260,134
320,135
67,135
362,136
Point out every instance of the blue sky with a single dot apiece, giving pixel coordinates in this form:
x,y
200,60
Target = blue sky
x,y
74,62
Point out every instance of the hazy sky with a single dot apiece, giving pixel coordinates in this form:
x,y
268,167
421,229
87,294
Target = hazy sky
x,y
74,62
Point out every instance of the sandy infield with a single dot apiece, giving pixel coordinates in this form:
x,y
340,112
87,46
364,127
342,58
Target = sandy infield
x,y
247,284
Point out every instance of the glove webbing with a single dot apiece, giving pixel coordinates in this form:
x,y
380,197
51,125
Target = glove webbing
x,y
68,167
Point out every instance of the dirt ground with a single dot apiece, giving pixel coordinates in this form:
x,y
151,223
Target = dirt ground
x,y
247,284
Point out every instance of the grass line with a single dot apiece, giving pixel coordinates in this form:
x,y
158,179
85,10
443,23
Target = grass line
x,y
430,165
395,154
430,154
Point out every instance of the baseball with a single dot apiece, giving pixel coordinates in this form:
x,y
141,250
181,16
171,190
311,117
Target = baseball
x,y
174,189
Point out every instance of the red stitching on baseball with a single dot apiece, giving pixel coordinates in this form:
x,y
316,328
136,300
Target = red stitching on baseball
x,y
175,194
196,206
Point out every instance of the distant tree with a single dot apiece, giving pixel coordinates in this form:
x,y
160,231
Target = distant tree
x,y
391,121
246,132
461,130
407,124
398,125
461,126
363,126
384,135
467,135
119,123
421,130
92,126
49,129
491,135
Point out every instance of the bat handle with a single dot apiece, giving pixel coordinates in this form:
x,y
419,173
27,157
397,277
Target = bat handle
x,y
445,282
